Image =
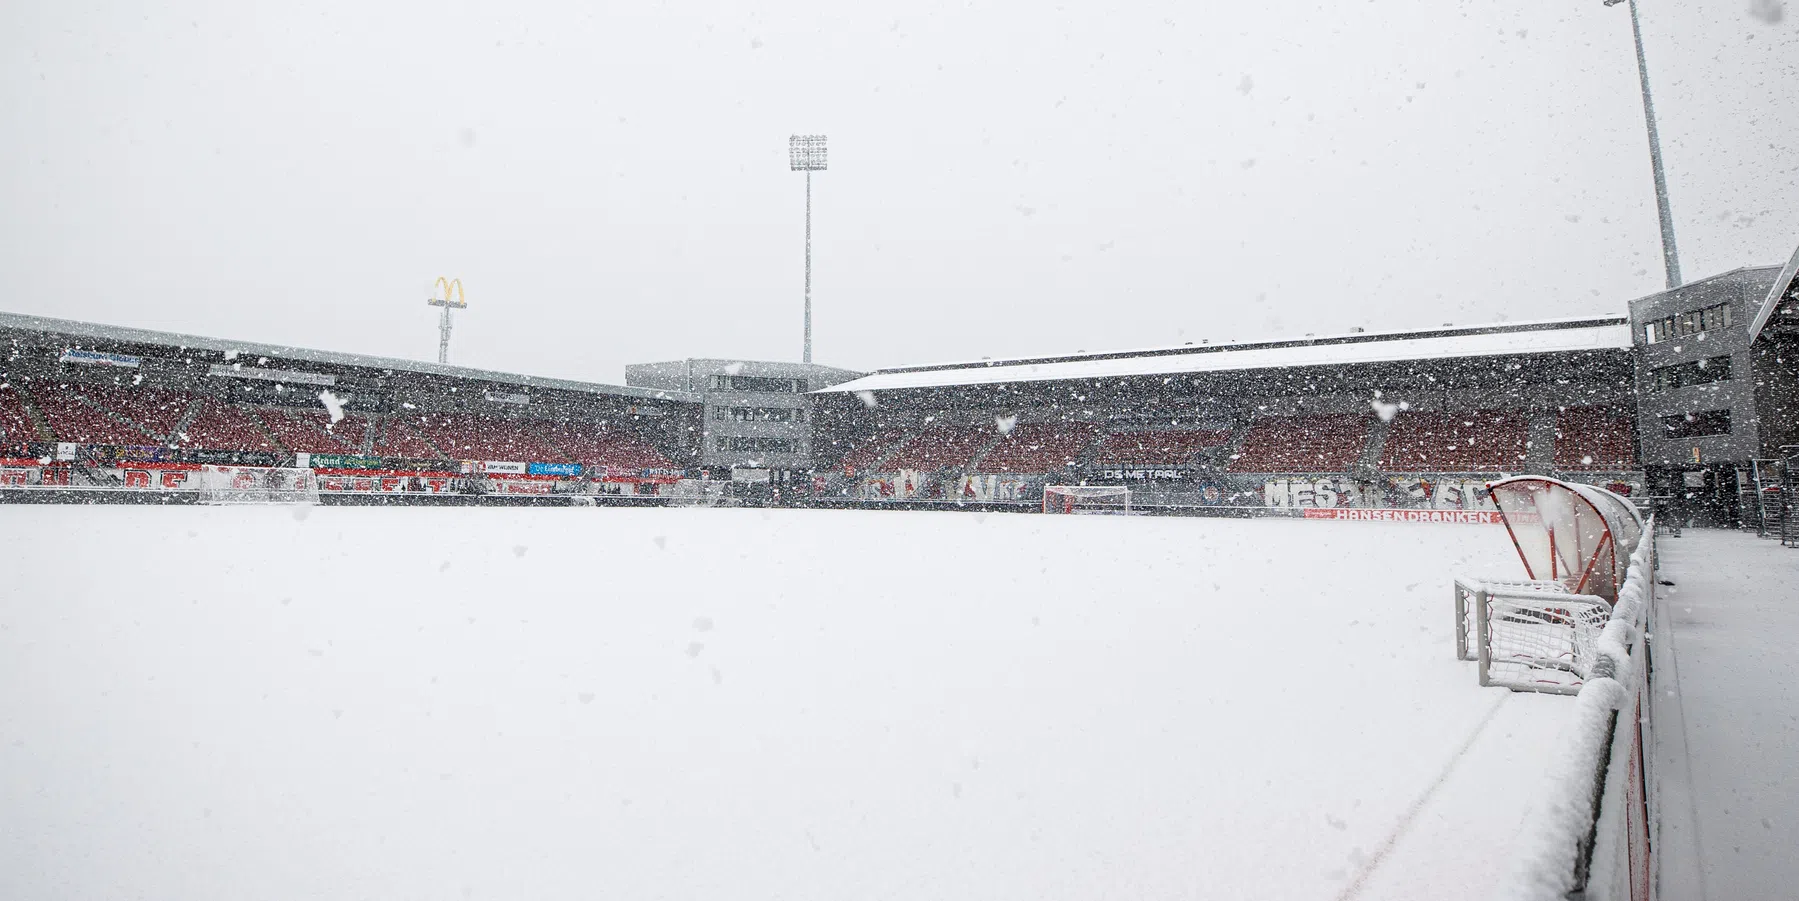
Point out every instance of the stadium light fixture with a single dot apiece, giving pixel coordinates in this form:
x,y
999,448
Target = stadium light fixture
x,y
806,153
1670,258
452,299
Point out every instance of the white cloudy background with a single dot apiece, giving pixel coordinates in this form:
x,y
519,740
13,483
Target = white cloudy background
x,y
610,180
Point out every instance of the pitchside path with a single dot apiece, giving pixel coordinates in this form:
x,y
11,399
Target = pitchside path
x,y
1727,705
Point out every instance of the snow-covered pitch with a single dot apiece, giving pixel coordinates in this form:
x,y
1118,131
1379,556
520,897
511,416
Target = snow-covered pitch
x,y
244,702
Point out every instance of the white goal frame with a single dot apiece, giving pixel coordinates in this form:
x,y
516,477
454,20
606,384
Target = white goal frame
x,y
1528,639
257,485
1086,499
1470,594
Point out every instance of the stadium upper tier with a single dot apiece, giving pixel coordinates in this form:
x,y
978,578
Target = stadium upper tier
x,y
87,384
1522,339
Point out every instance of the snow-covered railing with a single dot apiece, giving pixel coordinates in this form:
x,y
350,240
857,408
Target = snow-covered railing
x,y
1590,838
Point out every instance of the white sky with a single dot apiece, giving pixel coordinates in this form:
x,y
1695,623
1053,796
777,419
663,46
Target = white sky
x,y
610,181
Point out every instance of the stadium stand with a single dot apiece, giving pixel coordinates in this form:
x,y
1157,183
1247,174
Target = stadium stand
x,y
869,452
1475,441
73,419
590,447
16,426
1594,438
940,446
1039,448
156,411
311,432
223,426
1317,443
396,438
467,436
1159,447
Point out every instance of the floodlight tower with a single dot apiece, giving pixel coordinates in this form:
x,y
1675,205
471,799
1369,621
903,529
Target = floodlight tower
x,y
449,301
806,153
1670,259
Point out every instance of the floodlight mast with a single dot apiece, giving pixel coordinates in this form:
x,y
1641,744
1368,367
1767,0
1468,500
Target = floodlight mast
x,y
806,153
452,299
1670,259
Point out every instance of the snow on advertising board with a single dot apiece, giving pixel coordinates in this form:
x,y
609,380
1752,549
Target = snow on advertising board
x,y
389,482
991,487
1391,492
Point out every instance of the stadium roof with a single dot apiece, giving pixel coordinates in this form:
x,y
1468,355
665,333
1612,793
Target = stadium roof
x,y
1786,287
1610,333
92,331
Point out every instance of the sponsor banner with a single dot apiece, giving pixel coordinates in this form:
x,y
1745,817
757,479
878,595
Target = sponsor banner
x,y
240,371
65,451
992,487
902,485
1327,492
345,461
500,466
522,486
554,469
1143,473
17,476
1389,492
386,482
1436,493
158,476
1453,516
500,397
96,358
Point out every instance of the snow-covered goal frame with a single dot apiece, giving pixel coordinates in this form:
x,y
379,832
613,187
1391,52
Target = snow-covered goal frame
x,y
1086,499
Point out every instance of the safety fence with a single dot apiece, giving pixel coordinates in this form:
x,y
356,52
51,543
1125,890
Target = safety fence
x,y
1592,840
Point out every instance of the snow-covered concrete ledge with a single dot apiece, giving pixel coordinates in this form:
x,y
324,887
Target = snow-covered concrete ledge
x,y
1590,840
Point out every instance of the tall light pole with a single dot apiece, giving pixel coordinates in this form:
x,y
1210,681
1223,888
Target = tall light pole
x,y
1670,258
806,153
449,302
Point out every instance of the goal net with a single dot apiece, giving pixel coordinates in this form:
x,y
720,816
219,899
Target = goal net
x,y
1538,641
1471,593
257,485
1086,499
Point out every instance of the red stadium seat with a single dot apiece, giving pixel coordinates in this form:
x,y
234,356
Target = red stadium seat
x,y
1474,441
1318,443
224,426
1595,438
1159,447
310,431
939,446
1039,448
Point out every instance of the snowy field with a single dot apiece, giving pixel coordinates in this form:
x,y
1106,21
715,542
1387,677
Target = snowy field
x,y
219,703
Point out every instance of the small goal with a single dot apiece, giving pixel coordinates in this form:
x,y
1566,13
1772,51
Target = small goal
x,y
1533,640
1086,499
257,485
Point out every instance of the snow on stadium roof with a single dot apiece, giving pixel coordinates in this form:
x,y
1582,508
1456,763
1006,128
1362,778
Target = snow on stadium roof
x,y
1786,285
1561,336
92,331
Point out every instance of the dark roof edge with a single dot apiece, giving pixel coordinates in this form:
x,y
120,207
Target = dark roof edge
x,y
100,332
1353,338
1783,283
